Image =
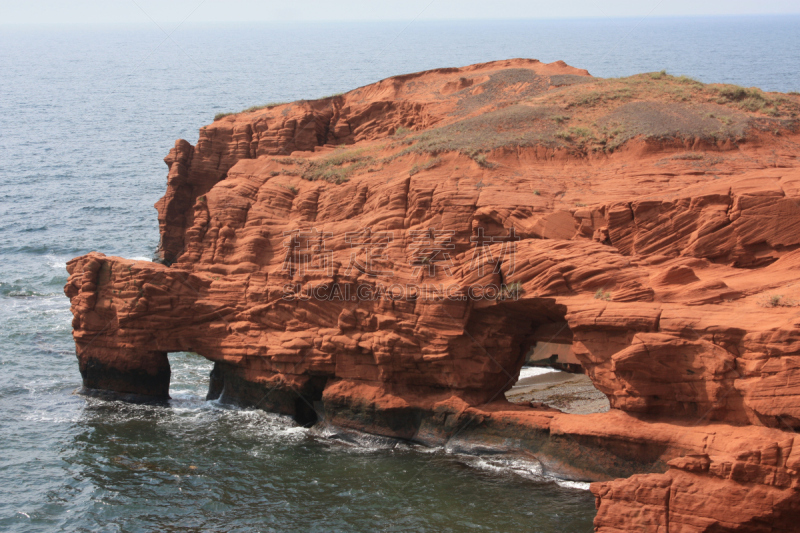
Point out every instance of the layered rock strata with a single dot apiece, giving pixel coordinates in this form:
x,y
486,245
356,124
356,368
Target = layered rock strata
x,y
383,261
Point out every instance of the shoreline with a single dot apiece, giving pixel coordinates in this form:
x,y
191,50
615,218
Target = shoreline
x,y
569,393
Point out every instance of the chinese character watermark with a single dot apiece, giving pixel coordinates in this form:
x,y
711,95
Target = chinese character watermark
x,y
431,253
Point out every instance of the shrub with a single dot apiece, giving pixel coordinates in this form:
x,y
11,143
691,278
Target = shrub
x,y
291,188
588,100
777,300
511,290
600,295
692,156
337,167
751,99
734,93
753,104
265,106
482,161
581,132
686,80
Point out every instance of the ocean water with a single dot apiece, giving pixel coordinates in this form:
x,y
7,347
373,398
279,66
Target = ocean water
x,y
87,115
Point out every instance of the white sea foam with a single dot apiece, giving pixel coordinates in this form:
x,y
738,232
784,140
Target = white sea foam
x,y
531,371
184,394
526,468
578,485
58,263
356,441
38,417
519,467
478,457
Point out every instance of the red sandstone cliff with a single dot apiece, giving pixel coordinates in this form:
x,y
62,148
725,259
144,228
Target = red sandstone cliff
x,y
653,218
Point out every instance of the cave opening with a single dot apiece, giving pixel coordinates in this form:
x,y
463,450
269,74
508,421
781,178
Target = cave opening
x,y
550,372
308,408
301,401
189,376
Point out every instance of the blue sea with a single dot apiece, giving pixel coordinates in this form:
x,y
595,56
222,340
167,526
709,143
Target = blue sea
x,y
86,116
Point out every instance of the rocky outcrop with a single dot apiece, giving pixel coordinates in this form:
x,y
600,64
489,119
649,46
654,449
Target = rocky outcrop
x,y
394,284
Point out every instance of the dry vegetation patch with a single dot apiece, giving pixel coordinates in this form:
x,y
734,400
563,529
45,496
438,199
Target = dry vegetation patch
x,y
337,167
594,114
249,109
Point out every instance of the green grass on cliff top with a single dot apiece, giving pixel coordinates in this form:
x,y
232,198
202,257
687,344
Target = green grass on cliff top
x,y
601,115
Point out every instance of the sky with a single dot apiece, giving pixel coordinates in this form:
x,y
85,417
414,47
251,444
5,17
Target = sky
x,y
204,11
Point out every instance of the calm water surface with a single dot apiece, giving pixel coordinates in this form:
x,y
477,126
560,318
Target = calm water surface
x,y
86,117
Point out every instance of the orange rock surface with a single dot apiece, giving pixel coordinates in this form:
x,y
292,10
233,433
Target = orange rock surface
x,y
382,260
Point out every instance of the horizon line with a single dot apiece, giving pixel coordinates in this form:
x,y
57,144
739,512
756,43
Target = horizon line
x,y
394,20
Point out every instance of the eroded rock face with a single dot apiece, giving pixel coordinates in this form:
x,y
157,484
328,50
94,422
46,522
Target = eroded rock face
x,y
394,286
